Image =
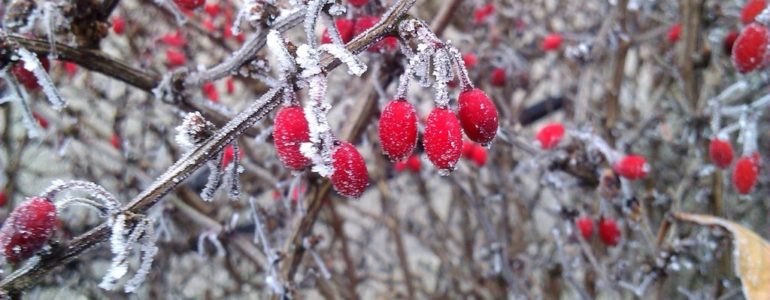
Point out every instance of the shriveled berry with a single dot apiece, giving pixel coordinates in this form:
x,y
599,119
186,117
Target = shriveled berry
x,y
398,129
552,42
550,135
674,32
721,153
751,10
175,58
358,3
189,4
27,229
745,174
609,232
290,131
478,116
443,138
632,167
479,155
586,227
118,25
26,77
350,176
750,49
344,26
498,77
728,42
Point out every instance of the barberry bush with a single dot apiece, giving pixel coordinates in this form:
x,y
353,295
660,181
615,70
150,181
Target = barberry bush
x,y
399,149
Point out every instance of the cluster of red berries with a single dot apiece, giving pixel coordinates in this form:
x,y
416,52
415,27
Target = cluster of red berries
x,y
609,233
27,229
749,51
746,169
349,28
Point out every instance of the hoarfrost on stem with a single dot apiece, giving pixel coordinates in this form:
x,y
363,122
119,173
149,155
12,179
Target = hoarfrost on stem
x,y
32,64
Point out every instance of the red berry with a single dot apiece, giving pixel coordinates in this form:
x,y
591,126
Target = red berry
x,y
210,27
550,135
478,116
3,198
632,167
212,9
290,131
745,174
350,177
115,141
175,58
470,60
552,42
721,153
364,23
468,147
230,85
479,155
674,33
399,166
751,10
609,232
40,120
728,42
344,26
227,156
27,229
498,77
482,13
750,49
189,4
70,68
443,138
398,129
26,77
210,90
413,163
586,227
118,25
358,3
174,39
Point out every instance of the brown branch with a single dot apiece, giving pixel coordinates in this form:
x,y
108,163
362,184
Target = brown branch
x,y
441,21
613,98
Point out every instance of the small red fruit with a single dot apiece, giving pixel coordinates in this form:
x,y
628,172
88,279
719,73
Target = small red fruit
x,y
70,68
27,229
212,9
443,138
358,3
175,58
721,153
728,42
468,149
399,166
498,77
344,26
115,141
350,176
227,156
26,77
552,42
478,116
750,49
745,174
586,227
550,135
230,85
414,164
210,90
674,33
174,39
3,198
479,155
118,25
609,232
398,129
470,60
189,4
482,13
40,120
632,167
751,10
290,131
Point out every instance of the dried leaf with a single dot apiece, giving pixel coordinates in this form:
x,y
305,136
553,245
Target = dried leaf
x,y
751,255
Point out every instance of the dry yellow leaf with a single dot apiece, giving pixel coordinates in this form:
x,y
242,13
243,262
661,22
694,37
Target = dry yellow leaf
x,y
751,255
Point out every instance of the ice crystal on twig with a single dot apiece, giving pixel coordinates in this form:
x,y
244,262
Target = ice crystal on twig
x,y
32,64
193,131
277,46
20,95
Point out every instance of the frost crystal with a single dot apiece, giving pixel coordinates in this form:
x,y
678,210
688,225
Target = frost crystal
x,y
193,131
277,46
320,148
309,59
355,66
19,94
32,64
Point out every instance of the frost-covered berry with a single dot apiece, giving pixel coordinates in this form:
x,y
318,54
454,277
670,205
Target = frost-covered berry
x,y
478,116
586,227
632,167
443,138
552,42
118,25
609,232
479,155
751,10
674,32
745,174
26,77
189,4
750,49
498,77
345,28
721,153
350,176
363,23
27,229
358,3
290,131
398,129
175,58
550,135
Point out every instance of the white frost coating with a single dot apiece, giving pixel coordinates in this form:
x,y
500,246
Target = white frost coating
x,y
212,183
311,16
27,119
320,149
52,19
442,72
119,247
32,64
309,59
277,46
192,131
355,65
320,263
149,250
163,91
